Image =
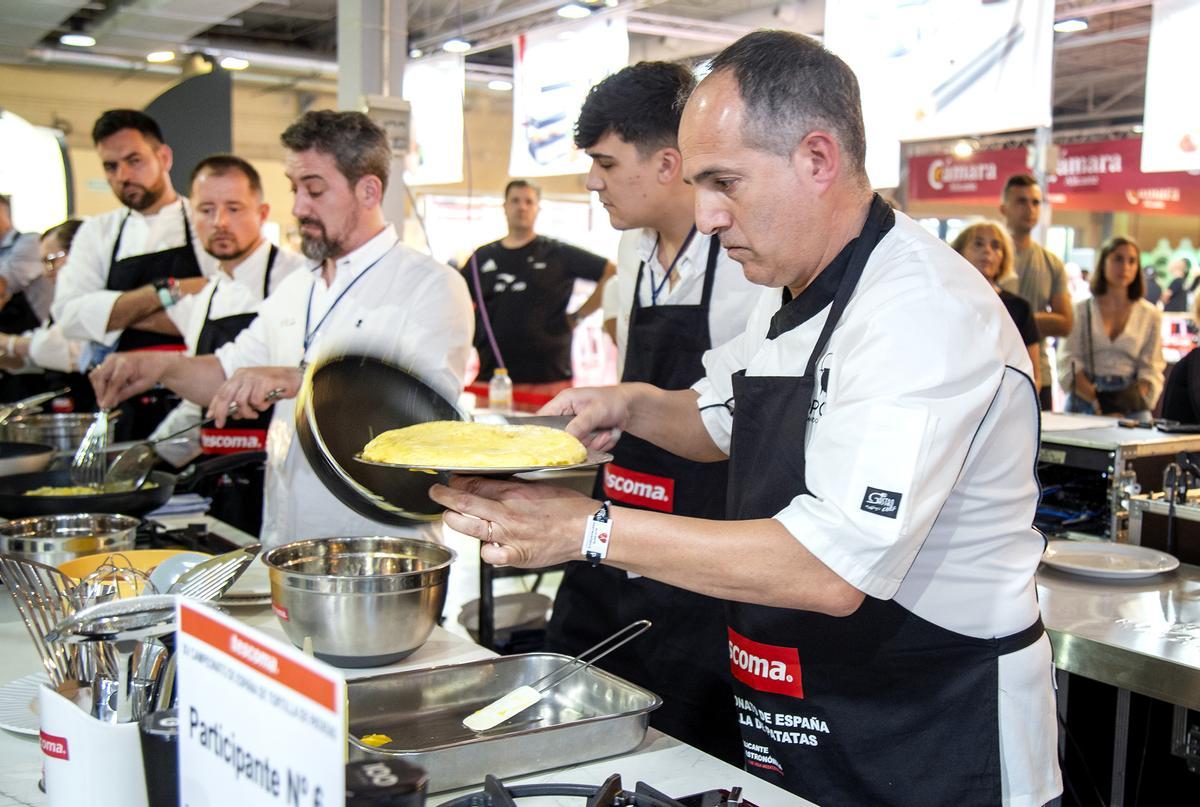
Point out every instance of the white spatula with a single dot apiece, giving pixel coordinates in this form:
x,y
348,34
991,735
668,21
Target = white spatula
x,y
521,698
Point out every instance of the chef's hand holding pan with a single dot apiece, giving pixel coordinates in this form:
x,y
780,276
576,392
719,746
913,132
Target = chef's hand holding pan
x,y
123,375
251,389
524,524
601,413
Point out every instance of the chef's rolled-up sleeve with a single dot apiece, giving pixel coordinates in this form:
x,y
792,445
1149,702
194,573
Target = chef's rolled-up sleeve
x,y
891,441
82,305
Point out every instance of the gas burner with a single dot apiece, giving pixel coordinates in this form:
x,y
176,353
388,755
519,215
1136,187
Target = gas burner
x,y
194,537
609,794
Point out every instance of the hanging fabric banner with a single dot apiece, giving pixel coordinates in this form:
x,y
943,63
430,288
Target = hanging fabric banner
x,y
1171,141
433,87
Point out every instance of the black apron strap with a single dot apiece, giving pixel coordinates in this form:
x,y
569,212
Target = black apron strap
x,y
710,270
117,244
1021,639
271,255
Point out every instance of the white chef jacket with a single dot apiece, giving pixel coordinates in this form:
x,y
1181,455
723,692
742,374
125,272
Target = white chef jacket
x,y
229,296
408,309
732,295
21,268
82,303
917,403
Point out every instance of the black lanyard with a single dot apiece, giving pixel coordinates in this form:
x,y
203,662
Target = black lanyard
x,y
308,335
655,290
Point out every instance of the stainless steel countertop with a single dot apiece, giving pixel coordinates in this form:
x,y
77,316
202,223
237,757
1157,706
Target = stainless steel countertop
x,y
1141,635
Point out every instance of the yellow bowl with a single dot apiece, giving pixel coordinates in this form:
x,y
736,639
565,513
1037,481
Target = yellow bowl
x,y
143,560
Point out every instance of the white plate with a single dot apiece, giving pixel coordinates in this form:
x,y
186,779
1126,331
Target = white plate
x,y
594,458
254,584
1107,559
16,704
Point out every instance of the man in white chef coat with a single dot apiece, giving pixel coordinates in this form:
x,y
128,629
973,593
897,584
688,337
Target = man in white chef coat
x,y
881,428
368,294
128,265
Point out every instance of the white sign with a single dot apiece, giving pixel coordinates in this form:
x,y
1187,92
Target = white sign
x,y
259,722
932,69
434,87
33,174
553,71
1171,141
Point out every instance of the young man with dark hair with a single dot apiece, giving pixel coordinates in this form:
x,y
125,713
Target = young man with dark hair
x,y
524,283
1040,277
367,294
25,291
679,295
878,558
130,265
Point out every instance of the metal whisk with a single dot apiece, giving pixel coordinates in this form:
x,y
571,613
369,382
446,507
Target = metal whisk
x,y
91,459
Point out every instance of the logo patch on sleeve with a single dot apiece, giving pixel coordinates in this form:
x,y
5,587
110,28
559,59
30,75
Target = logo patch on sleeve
x,y
881,502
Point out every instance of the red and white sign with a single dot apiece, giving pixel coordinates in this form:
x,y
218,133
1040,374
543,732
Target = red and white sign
x,y
639,489
54,747
945,177
260,723
765,667
232,441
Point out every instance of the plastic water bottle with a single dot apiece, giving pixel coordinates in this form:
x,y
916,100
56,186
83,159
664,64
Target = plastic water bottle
x,y
500,391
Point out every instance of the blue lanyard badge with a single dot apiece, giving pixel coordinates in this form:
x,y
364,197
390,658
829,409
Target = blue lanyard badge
x,y
656,290
310,335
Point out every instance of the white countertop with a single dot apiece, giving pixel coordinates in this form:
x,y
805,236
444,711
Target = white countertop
x,y
661,761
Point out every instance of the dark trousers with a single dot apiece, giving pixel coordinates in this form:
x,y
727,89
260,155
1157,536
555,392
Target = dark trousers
x,y
1044,398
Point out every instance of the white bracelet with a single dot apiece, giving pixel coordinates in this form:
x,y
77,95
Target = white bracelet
x,y
8,346
596,535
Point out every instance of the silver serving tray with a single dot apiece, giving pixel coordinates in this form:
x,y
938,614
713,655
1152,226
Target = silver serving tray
x,y
590,716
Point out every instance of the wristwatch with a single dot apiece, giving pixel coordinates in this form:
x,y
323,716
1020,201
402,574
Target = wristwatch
x,y
168,292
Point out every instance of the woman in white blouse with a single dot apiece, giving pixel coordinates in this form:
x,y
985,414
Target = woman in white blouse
x,y
1112,362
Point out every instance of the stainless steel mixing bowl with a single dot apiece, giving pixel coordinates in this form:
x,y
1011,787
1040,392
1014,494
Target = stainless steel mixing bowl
x,y
56,539
363,602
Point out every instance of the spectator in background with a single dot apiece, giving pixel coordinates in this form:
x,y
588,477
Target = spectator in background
x,y
1154,291
1181,395
1112,363
1039,275
524,286
44,355
1175,297
25,291
988,248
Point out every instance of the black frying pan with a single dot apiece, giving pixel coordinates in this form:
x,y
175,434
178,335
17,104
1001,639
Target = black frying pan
x,y
15,504
24,458
343,404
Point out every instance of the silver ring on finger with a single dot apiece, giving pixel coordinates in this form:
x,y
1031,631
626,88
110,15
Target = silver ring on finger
x,y
489,534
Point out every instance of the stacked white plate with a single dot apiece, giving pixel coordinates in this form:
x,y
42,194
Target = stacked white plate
x,y
1106,559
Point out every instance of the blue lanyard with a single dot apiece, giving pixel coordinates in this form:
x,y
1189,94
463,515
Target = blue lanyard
x,y
309,335
655,290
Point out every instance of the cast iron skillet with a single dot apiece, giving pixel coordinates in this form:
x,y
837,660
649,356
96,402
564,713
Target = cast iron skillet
x,y
345,402
15,504
24,458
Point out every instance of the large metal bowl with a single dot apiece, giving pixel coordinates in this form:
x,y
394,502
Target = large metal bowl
x,y
363,602
56,539
63,430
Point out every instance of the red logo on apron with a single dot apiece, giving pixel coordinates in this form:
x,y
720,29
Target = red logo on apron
x,y
231,441
55,747
643,490
765,667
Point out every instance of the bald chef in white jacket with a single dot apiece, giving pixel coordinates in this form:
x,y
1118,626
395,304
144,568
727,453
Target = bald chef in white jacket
x,y
368,294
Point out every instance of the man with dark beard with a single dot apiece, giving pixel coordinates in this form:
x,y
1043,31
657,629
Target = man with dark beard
x,y
368,294
127,266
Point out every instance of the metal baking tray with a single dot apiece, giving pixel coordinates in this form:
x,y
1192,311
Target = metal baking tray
x,y
591,715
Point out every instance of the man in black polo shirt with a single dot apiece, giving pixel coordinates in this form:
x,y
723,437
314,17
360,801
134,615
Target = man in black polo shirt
x,y
524,282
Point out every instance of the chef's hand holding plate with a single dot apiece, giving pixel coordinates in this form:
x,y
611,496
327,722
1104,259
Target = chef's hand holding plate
x,y
250,388
524,524
123,375
601,413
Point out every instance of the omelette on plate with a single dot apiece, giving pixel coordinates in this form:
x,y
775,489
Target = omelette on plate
x,y
455,444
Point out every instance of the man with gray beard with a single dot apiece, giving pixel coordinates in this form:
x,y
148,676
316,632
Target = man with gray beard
x,y
367,294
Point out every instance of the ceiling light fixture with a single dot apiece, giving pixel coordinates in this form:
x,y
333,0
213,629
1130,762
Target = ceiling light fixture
x,y
234,63
500,85
963,149
160,56
574,11
457,46
1071,26
416,53
77,40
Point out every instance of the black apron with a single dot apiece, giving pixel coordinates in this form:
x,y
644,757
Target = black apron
x,y
238,495
682,657
880,707
142,413
17,317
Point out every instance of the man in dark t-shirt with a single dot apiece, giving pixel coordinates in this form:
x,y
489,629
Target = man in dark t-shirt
x,y
525,282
